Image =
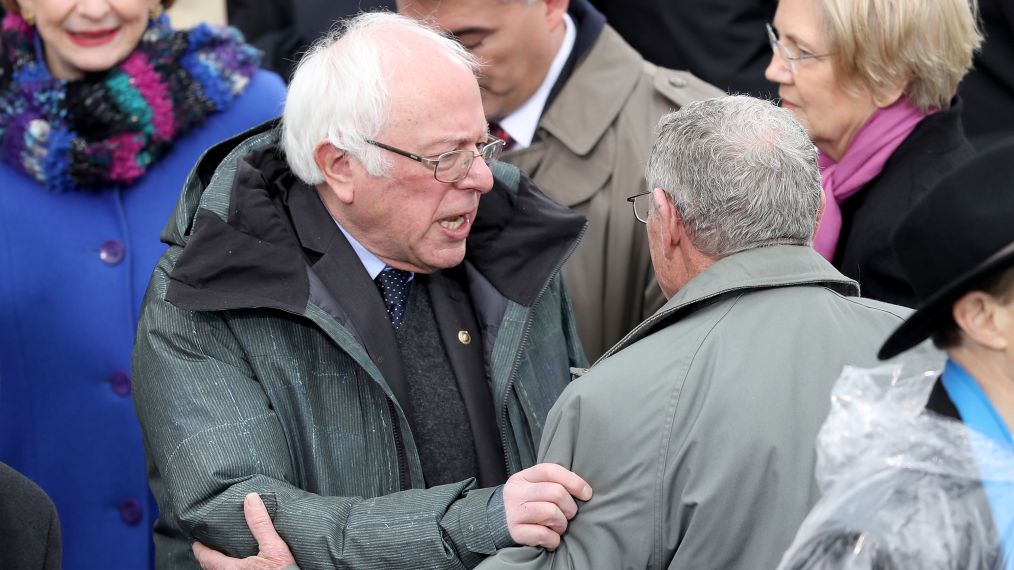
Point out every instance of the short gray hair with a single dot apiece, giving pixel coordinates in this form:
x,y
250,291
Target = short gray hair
x,y
339,91
741,172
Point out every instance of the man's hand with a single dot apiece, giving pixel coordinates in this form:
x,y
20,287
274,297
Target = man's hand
x,y
539,501
274,553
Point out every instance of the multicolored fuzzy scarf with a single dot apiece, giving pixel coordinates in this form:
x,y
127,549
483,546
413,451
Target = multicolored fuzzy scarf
x,y
108,128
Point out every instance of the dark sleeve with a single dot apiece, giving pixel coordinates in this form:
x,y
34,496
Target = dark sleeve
x,y
988,89
258,17
284,29
29,526
940,403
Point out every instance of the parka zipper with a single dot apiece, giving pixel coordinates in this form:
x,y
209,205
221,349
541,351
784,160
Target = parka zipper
x,y
399,447
525,333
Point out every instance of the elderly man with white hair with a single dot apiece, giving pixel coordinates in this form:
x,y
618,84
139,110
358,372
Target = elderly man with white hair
x,y
697,430
359,327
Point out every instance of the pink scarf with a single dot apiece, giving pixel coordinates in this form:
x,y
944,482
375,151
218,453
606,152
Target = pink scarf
x,y
875,142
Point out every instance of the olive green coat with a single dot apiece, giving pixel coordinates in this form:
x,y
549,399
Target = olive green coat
x,y
262,385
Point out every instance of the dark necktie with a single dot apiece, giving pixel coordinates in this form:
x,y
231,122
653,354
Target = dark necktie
x,y
394,285
497,131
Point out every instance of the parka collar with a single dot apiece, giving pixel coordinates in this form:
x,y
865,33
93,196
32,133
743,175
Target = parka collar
x,y
250,231
759,268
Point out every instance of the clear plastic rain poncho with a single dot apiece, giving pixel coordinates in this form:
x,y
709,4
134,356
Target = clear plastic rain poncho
x,y
902,488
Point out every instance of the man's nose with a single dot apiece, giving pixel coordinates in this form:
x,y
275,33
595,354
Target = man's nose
x,y
479,177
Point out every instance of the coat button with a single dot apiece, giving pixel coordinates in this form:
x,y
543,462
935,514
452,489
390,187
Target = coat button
x,y
119,381
464,337
677,82
131,511
111,252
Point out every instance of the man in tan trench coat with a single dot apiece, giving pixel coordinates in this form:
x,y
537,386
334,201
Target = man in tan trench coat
x,y
578,106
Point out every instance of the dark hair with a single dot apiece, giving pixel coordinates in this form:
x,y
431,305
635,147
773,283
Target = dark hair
x,y
947,334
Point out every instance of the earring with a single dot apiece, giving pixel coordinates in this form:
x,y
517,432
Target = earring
x,y
156,10
28,17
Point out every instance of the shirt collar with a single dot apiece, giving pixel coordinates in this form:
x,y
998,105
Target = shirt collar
x,y
522,123
371,262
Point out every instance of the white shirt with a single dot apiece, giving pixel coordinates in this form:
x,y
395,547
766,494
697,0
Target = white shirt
x,y
522,123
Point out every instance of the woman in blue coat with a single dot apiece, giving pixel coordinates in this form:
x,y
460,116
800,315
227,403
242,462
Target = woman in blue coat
x,y
104,109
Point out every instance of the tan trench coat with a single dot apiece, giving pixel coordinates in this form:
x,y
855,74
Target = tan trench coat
x,y
589,154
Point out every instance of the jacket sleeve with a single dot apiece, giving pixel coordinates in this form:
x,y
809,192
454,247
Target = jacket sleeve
x,y
614,528
575,350
212,437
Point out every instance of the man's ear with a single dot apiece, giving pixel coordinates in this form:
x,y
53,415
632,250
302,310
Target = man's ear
x,y
983,319
336,166
667,220
555,9
820,214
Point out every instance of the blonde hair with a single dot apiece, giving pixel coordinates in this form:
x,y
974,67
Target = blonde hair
x,y
924,45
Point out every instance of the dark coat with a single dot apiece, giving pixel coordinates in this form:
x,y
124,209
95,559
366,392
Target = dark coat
x,y
721,41
29,527
935,147
988,89
284,29
258,368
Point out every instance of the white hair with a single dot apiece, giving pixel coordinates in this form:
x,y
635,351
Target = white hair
x,y
741,172
339,91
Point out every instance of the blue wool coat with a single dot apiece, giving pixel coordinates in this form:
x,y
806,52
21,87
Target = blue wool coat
x,y
73,269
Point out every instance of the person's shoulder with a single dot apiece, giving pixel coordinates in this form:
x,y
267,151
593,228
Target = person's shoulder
x,y
262,101
266,84
670,87
264,97
680,87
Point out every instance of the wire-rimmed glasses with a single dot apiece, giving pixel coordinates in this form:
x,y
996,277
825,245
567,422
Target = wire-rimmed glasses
x,y
789,56
451,166
642,206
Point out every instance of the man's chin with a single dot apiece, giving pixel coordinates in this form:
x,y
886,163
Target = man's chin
x,y
438,260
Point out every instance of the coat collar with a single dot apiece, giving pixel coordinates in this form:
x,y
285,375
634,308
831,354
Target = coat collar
x,y
607,75
250,230
755,269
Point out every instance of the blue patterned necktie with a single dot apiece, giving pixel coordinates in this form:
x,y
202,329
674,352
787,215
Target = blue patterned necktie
x,y
394,285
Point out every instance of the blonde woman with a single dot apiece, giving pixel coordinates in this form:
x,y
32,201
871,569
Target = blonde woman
x,y
873,82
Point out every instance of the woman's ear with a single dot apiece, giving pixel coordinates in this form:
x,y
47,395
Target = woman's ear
x,y
888,97
27,10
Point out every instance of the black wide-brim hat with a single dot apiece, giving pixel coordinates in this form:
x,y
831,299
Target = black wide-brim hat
x,y
958,236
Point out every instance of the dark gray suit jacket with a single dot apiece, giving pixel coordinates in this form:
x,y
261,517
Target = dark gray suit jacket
x,y
29,527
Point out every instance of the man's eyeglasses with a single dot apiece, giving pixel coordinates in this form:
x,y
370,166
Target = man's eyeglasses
x,y
451,166
788,55
642,206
